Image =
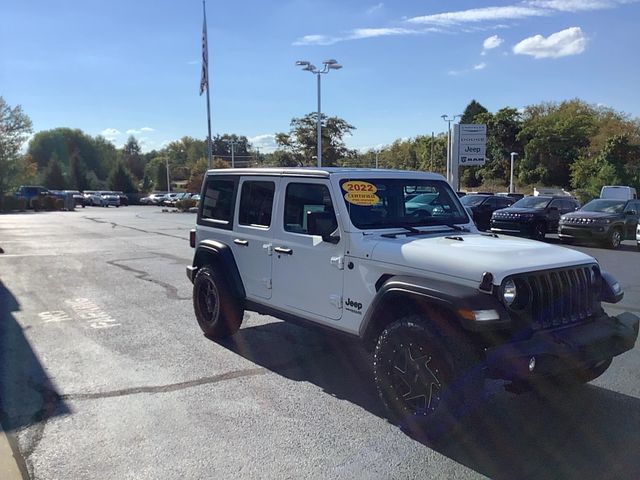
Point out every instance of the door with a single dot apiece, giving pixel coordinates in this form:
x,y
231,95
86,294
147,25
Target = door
x,y
553,216
307,271
631,215
251,242
484,213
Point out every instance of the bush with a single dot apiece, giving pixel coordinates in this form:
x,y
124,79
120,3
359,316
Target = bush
x,y
185,205
11,203
36,203
49,203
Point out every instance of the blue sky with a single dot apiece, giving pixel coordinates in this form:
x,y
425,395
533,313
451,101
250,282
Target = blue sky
x,y
133,67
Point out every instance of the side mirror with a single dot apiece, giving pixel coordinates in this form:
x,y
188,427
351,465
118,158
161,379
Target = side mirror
x,y
553,209
324,225
631,212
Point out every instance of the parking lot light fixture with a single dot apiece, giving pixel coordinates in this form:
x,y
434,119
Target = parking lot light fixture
x,y
513,155
330,64
448,119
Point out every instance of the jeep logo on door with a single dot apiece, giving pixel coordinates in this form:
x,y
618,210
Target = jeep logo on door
x,y
353,307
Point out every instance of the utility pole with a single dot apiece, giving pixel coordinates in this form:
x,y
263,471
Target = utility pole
x,y
511,189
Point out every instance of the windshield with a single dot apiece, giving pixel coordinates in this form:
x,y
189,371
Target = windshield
x,y
606,206
532,202
472,200
387,203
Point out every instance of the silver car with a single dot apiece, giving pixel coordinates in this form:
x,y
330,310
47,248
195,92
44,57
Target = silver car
x,y
110,198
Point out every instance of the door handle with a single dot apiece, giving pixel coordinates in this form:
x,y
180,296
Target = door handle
x,y
243,243
285,251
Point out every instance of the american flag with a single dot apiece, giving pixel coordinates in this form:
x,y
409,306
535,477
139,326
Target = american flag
x,y
204,78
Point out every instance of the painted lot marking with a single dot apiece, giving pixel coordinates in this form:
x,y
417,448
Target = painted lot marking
x,y
84,309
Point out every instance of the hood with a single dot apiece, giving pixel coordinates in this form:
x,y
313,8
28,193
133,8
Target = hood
x,y
468,256
520,210
583,214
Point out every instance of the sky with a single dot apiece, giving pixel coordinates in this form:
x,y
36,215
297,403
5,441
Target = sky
x,y
123,68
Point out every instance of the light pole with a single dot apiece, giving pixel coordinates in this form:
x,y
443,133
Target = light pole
x,y
377,153
233,143
166,160
330,64
449,120
513,155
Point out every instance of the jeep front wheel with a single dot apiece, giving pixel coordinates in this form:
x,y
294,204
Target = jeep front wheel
x,y
615,238
219,314
419,376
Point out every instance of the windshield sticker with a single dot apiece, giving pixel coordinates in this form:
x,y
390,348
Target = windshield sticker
x,y
360,193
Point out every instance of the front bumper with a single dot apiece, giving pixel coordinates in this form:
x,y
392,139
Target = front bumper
x,y
512,228
586,232
563,349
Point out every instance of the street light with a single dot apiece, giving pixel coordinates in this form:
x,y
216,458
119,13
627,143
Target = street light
x,y
166,161
233,143
513,155
330,64
449,120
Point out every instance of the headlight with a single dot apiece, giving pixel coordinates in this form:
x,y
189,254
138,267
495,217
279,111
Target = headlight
x,y
603,221
509,292
563,218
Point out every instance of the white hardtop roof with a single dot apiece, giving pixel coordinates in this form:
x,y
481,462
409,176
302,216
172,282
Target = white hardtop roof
x,y
328,172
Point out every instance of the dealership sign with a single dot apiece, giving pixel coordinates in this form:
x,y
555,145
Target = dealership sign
x,y
469,144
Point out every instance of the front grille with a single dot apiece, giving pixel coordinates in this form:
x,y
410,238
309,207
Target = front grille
x,y
553,298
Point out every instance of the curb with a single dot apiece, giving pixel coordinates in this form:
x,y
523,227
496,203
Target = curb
x,y
9,467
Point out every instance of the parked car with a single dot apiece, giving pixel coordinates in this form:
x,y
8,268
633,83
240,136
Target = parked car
x,y
483,206
180,196
638,236
604,221
516,196
618,192
29,192
153,199
124,200
533,216
168,198
92,197
78,198
109,198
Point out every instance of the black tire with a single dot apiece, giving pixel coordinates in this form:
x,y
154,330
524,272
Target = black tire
x,y
586,375
425,381
540,231
615,239
218,312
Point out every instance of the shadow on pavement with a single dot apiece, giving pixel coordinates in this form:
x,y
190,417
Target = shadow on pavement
x,y
26,394
584,432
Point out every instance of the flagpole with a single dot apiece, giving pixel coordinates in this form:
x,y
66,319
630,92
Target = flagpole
x,y
205,58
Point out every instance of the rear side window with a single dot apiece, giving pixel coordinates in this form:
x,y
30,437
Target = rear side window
x,y
218,201
302,201
256,203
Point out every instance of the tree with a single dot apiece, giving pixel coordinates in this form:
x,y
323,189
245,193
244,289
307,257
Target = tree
x,y
472,111
53,178
132,158
301,141
15,127
78,173
121,179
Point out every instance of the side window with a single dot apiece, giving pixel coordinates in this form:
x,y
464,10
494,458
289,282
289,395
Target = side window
x,y
505,202
556,203
304,205
490,202
217,202
256,203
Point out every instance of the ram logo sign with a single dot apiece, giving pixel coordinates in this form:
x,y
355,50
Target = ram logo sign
x,y
469,144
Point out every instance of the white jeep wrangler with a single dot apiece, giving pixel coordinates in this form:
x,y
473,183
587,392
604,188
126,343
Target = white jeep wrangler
x,y
393,258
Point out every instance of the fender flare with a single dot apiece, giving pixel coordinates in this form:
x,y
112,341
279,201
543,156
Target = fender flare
x,y
443,295
218,253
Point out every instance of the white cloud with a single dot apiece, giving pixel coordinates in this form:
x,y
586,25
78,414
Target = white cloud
x,y
375,8
110,132
476,67
265,142
132,131
359,33
147,129
480,66
492,42
473,15
577,5
316,40
571,41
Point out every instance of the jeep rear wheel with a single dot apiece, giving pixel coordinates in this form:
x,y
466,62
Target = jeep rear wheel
x,y
219,314
419,377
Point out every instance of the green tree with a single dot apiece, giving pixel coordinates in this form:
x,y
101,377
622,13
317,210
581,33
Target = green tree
x,y
471,111
301,141
15,127
132,158
121,179
78,173
53,178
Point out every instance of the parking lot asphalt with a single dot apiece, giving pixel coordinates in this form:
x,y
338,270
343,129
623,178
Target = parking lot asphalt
x,y
105,374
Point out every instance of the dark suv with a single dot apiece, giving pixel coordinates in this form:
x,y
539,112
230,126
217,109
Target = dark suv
x,y
601,220
29,192
483,206
533,216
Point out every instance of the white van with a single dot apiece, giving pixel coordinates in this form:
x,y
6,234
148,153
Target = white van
x,y
617,192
